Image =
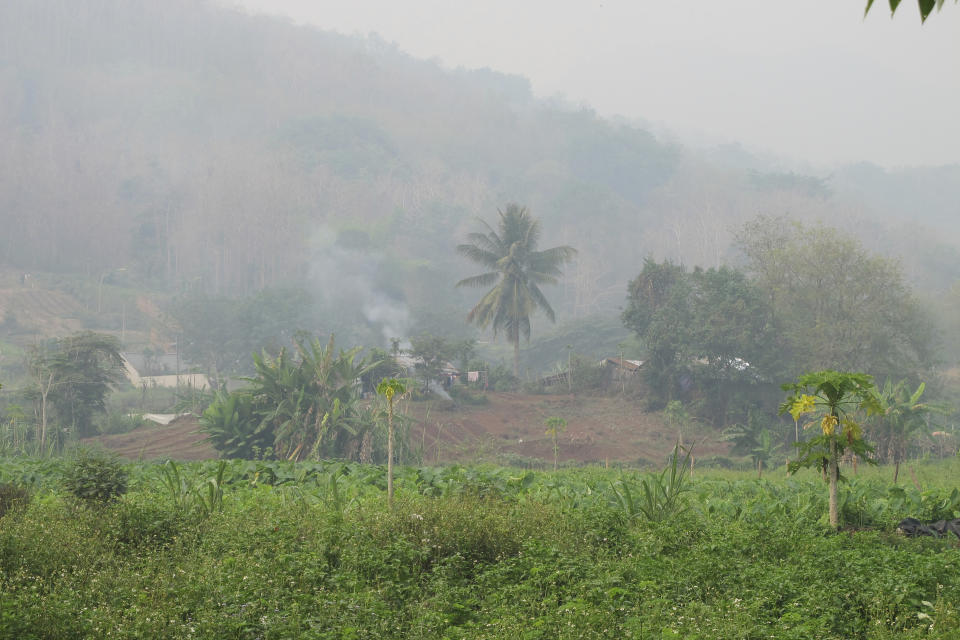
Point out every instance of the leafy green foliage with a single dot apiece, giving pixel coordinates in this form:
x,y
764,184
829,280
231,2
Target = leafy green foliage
x,y
753,439
926,7
95,477
71,378
516,269
17,434
309,404
233,427
478,552
899,415
432,353
657,497
302,406
704,330
839,395
12,497
204,497
835,305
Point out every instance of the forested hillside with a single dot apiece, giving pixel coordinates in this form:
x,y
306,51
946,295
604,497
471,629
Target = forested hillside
x,y
195,149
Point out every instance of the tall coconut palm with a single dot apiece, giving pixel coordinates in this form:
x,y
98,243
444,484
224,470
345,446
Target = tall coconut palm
x,y
515,269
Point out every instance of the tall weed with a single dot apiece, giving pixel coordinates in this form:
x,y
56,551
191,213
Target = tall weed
x,y
657,497
204,497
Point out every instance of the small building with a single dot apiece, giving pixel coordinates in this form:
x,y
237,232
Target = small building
x,y
411,364
197,381
622,364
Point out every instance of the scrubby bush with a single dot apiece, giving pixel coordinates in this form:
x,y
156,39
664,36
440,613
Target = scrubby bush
x,y
95,477
117,422
11,497
463,395
535,387
146,522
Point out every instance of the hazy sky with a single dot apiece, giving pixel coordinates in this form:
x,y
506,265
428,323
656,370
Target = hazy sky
x,y
807,79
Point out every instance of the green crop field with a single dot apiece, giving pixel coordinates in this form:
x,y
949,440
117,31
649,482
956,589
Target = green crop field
x,y
311,550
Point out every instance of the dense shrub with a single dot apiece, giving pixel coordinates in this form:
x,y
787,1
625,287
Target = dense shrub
x,y
480,552
95,477
146,522
11,497
463,395
119,422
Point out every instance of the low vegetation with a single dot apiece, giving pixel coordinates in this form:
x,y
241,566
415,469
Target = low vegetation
x,y
311,550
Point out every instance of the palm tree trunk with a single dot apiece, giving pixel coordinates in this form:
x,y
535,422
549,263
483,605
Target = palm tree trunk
x,y
516,356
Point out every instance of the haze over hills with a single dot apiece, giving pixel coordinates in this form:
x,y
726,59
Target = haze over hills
x,y
181,147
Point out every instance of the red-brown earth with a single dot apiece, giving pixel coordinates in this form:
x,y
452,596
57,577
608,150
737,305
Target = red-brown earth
x,y
508,428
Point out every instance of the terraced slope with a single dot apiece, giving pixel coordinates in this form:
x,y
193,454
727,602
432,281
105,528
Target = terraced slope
x,y
42,311
180,440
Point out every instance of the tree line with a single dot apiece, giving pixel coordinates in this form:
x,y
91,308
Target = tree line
x,y
717,343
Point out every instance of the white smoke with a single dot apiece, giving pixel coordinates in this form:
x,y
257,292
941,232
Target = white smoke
x,y
438,389
392,316
346,276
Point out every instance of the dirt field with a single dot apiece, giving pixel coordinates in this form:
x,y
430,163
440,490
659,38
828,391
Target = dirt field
x,y
41,311
598,430
510,428
180,440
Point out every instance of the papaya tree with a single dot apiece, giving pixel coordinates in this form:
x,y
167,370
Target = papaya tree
x,y
555,426
390,388
837,396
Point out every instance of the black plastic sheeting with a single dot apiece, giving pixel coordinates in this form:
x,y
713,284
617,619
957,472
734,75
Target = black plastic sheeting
x,y
912,527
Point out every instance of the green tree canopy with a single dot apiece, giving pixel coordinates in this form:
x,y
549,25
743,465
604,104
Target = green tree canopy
x,y
71,379
516,270
712,328
432,353
219,333
837,306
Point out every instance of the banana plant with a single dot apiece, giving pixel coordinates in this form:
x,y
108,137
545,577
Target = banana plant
x,y
900,415
555,426
306,401
232,426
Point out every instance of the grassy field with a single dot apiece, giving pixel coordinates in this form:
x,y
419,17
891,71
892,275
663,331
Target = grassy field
x,y
274,550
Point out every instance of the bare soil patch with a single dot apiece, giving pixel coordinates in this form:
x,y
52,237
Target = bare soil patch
x,y
599,430
510,427
179,440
